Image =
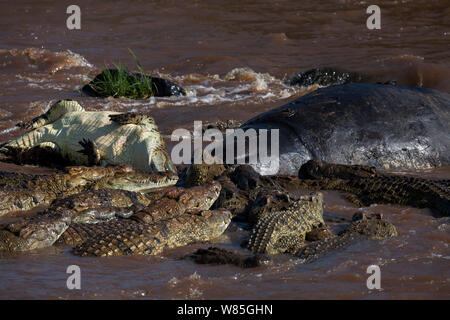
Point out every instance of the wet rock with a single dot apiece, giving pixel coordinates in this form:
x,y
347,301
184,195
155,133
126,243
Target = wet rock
x,y
162,87
324,76
214,255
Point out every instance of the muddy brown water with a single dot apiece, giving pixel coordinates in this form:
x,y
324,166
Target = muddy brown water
x,y
208,47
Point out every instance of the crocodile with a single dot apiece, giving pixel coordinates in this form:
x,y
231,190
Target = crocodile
x,y
240,184
245,192
363,227
20,191
131,237
69,218
284,231
320,241
381,125
367,186
106,137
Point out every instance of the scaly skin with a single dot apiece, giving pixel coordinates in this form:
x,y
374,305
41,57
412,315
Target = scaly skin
x,y
360,229
106,204
240,186
285,230
20,191
150,239
107,138
364,183
370,187
266,202
154,208
197,174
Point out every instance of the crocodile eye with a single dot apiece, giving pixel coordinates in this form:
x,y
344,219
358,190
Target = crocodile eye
x,y
378,216
359,216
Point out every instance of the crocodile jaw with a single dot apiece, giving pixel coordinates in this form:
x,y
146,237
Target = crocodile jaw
x,y
156,181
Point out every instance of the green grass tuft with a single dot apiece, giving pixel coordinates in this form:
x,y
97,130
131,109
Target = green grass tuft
x,y
124,83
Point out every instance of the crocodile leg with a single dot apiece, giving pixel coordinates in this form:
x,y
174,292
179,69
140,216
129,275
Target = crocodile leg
x,y
44,155
91,150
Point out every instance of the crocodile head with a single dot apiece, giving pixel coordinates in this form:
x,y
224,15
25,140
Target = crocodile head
x,y
138,181
198,198
373,226
215,221
197,174
119,177
317,169
312,204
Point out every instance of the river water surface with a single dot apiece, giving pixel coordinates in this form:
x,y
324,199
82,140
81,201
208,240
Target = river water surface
x,y
233,58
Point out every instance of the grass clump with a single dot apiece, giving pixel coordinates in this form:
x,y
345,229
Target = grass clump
x,y
120,82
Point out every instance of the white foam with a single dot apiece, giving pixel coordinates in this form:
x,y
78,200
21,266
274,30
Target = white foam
x,y
8,130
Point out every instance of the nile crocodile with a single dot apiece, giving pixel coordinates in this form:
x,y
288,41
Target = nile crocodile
x,y
369,187
76,212
19,191
243,187
319,242
107,137
126,237
362,227
283,231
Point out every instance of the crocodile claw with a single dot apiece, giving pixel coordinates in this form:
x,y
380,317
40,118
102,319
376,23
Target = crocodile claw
x,y
88,146
90,150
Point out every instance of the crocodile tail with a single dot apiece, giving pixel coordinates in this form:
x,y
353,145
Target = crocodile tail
x,y
318,249
60,108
